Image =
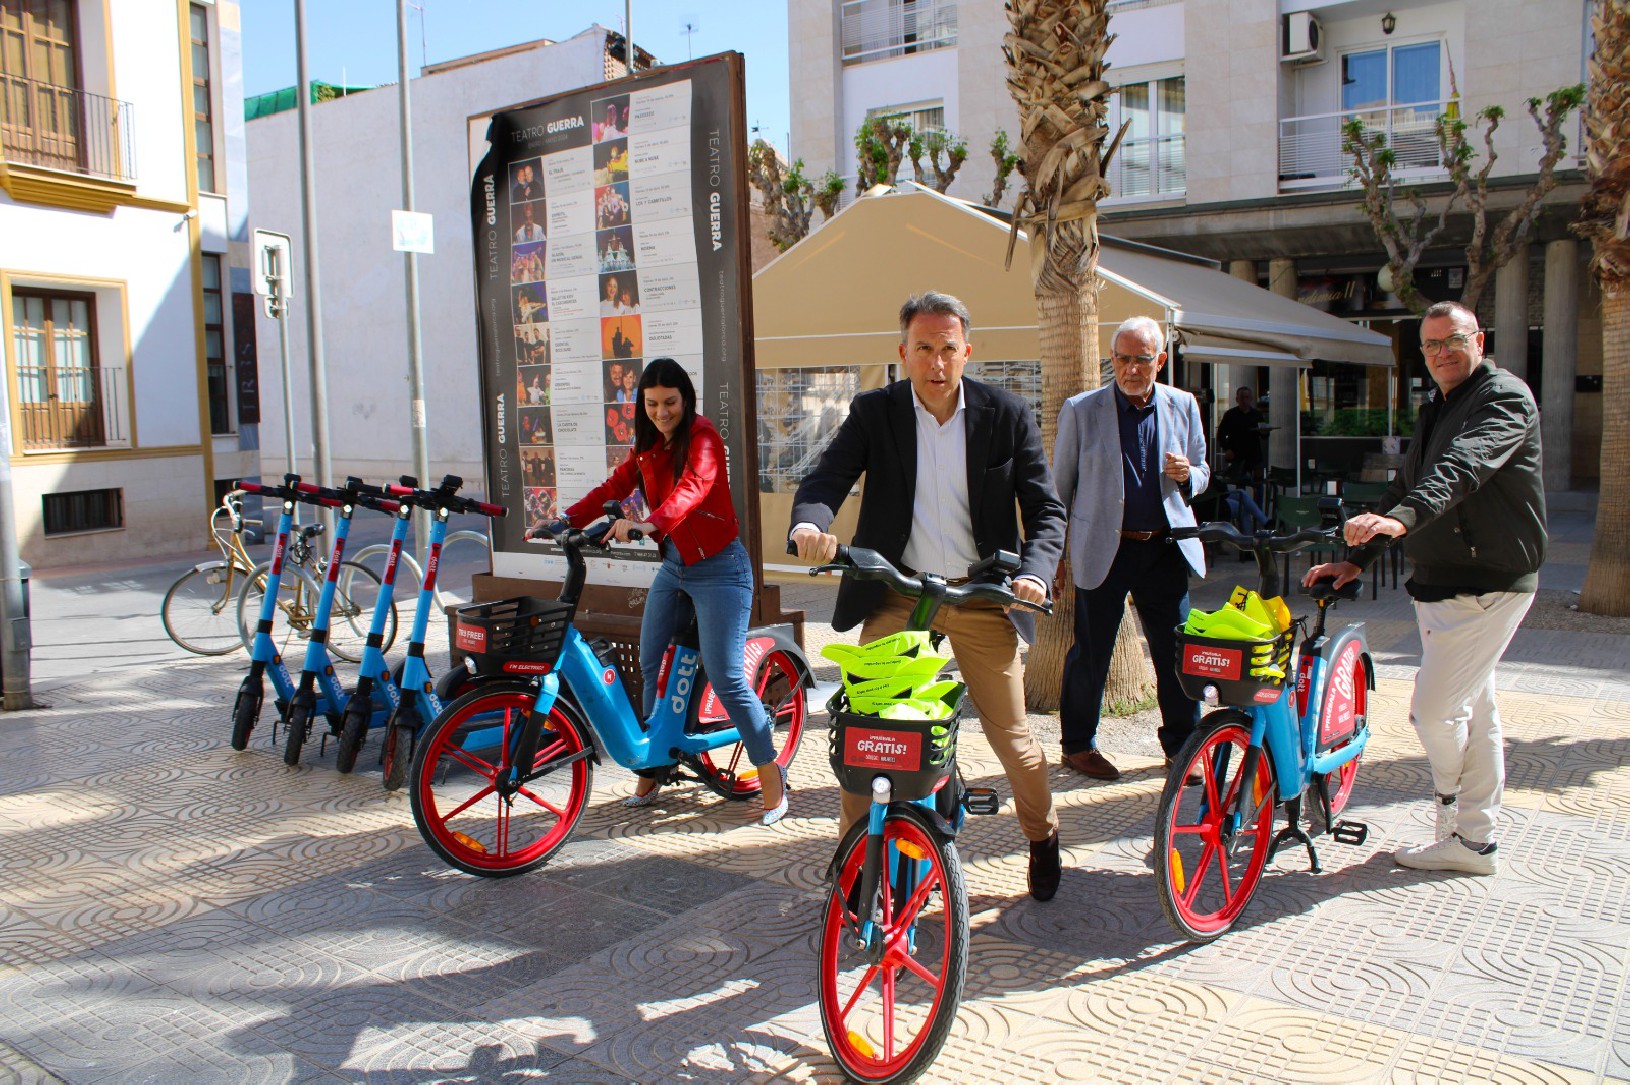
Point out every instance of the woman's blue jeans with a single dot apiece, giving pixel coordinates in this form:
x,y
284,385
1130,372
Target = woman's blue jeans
x,y
720,588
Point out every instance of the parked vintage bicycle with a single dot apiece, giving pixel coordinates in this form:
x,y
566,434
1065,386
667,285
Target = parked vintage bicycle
x,y
463,552
1267,744
404,700
501,777
200,609
894,935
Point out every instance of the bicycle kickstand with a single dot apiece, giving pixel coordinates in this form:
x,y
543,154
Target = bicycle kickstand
x,y
1294,833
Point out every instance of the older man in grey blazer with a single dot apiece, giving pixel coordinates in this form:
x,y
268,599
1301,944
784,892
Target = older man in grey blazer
x,y
1129,459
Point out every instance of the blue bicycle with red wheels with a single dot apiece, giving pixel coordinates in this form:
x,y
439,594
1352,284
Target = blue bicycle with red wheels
x,y
500,778
894,936
1267,744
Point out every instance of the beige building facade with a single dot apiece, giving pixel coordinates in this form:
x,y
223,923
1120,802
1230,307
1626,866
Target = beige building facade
x,y
1234,111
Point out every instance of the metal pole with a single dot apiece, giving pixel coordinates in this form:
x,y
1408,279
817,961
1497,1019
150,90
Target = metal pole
x,y
15,640
288,391
628,34
314,322
417,420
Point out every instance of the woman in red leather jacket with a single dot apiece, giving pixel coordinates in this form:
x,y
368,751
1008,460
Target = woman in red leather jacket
x,y
678,461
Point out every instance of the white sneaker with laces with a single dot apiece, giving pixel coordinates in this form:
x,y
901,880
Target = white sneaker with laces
x,y
1446,819
1448,854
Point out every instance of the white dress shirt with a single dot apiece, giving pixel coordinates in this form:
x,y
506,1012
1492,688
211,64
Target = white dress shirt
x,y
941,539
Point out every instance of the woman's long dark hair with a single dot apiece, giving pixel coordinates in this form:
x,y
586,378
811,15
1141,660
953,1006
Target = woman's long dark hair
x,y
665,373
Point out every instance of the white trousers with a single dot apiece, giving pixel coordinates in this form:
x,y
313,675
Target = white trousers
x,y
1453,707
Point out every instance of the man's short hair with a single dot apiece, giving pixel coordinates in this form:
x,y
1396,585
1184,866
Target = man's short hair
x,y
1141,325
1450,308
934,304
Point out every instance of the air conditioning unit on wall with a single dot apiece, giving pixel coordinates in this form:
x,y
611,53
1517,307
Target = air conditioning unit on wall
x,y
1301,38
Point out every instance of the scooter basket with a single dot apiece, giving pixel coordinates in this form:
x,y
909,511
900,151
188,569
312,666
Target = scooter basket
x,y
916,755
522,635
1227,665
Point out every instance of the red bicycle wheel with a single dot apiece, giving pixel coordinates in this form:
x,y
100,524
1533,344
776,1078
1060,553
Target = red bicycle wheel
x,y
457,804
728,770
887,1014
1205,867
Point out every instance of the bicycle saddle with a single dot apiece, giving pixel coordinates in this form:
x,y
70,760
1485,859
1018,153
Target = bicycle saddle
x,y
1321,590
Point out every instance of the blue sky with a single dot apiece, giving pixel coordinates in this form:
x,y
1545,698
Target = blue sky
x,y
354,41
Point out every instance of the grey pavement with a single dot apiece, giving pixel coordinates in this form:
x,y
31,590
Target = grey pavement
x,y
173,911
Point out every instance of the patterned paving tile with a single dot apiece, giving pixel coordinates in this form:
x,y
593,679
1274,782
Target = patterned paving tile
x,y
171,910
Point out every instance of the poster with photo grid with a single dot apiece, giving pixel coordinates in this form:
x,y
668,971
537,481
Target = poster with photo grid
x,y
610,227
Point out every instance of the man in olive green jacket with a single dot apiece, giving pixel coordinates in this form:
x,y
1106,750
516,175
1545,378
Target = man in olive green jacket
x,y
1469,505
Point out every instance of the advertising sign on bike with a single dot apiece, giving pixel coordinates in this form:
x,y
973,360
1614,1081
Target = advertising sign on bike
x,y
610,227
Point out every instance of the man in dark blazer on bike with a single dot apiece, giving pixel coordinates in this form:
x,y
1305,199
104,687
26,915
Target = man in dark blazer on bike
x,y
952,466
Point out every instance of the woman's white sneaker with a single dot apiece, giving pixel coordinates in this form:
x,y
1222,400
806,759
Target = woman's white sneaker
x,y
1449,854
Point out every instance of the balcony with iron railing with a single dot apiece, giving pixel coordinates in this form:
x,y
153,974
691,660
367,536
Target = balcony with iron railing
x,y
61,128
879,29
70,406
1311,153
1149,169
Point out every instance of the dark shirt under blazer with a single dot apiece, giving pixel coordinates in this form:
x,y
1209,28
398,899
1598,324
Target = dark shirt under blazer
x,y
1141,463
1008,478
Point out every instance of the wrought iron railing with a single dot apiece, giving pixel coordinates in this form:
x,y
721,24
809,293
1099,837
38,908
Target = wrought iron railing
x,y
43,124
1310,148
71,406
1154,166
878,29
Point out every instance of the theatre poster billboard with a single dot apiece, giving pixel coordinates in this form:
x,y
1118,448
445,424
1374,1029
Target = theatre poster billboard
x,y
610,227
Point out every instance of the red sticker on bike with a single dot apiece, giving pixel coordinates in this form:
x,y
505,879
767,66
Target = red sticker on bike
x,y
865,748
712,709
521,666
470,638
1337,720
1212,662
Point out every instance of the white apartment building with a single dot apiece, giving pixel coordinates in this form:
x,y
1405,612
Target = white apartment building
x,y
1233,152
123,201
355,144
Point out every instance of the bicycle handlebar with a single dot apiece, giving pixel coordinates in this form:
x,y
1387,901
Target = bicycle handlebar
x,y
1224,532
864,564
443,496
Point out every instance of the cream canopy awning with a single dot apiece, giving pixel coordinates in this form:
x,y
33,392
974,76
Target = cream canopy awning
x,y
834,298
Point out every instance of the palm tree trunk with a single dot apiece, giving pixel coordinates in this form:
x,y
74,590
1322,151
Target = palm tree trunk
x,y
1607,580
1070,364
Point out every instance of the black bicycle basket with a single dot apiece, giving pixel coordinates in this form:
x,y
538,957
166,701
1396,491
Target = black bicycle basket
x,y
523,635
916,755
1229,665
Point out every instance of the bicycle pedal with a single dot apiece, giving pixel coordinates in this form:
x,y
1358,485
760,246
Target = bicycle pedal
x,y
1350,832
981,800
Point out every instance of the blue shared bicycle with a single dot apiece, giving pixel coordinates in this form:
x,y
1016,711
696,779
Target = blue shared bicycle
x,y
1267,743
894,935
501,777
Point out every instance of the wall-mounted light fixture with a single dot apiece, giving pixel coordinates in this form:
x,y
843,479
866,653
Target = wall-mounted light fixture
x,y
1389,23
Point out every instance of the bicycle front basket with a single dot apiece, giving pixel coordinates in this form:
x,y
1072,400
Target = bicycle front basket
x,y
916,755
1244,672
523,635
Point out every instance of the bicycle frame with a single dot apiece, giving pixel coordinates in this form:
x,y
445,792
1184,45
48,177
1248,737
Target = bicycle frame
x,y
1290,737
662,739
